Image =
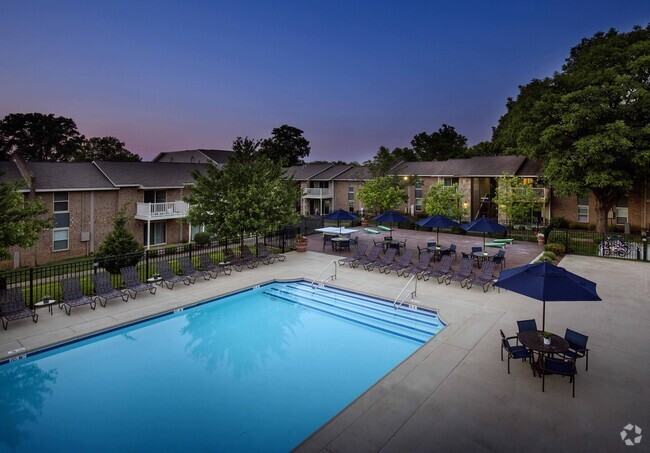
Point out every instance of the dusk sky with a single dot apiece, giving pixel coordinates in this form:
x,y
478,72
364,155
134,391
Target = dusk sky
x,y
166,75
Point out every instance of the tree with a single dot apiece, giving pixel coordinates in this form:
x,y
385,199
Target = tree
x,y
249,194
120,248
588,124
105,148
39,137
482,149
444,200
443,144
381,194
21,221
287,146
518,200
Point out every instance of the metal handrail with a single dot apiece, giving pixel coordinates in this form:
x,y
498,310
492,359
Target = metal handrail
x,y
322,281
413,293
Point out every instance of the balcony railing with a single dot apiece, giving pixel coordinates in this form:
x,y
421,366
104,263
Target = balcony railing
x,y
312,192
160,211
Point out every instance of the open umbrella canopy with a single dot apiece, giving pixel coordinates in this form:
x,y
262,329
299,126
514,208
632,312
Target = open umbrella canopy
x,y
548,283
391,217
438,221
339,215
484,225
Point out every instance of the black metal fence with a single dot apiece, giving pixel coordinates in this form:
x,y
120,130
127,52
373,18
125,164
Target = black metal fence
x,y
609,245
40,282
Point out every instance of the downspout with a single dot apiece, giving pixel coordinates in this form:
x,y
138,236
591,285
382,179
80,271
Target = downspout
x,y
92,222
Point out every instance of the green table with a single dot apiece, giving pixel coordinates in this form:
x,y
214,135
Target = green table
x,y
504,241
498,245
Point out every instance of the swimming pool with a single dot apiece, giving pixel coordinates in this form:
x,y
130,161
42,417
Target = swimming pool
x,y
258,370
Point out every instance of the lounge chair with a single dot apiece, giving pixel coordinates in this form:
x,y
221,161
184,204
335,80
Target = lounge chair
x,y
484,278
441,271
383,228
514,352
169,278
105,290
12,306
403,263
215,269
418,268
234,261
387,260
359,254
72,295
463,273
370,231
264,253
189,270
132,283
248,255
372,256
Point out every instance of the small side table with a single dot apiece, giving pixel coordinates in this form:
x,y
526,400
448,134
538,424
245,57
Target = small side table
x,y
45,303
155,280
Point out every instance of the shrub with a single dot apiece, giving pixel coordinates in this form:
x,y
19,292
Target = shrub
x,y
544,259
202,238
120,248
170,250
557,249
591,227
551,255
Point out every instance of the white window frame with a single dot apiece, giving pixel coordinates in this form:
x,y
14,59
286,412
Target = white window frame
x,y
419,186
582,211
61,234
621,213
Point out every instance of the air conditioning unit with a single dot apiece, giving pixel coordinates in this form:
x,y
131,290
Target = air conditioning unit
x,y
85,236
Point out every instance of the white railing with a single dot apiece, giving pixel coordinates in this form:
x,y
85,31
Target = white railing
x,y
541,192
397,302
322,281
318,193
171,209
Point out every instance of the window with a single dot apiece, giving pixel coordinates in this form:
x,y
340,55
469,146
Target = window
x,y
157,233
583,209
155,196
418,196
449,181
621,211
351,197
61,231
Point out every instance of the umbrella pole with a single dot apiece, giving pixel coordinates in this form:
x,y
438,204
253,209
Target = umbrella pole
x,y
437,235
544,316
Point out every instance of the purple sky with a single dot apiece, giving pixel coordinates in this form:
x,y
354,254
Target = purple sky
x,y
163,75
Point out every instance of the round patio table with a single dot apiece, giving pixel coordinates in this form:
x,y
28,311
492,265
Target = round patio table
x,y
437,251
482,256
532,339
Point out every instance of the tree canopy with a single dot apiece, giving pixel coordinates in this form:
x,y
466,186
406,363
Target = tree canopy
x,y
443,144
120,248
516,200
249,194
444,200
39,137
588,124
286,145
381,194
21,221
105,148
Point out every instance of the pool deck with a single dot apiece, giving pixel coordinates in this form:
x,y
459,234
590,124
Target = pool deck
x,y
453,394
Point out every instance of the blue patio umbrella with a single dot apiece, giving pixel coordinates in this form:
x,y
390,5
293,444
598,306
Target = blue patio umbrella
x,y
339,215
438,221
391,217
548,283
484,225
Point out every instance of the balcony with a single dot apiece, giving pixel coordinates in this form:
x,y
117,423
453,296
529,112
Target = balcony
x,y
312,192
162,211
541,192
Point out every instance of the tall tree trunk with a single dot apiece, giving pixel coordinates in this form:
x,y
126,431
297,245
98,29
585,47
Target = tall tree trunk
x,y
605,201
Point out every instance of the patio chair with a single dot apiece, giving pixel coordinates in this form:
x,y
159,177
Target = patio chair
x,y
526,325
12,306
441,271
72,295
215,269
234,261
419,267
403,263
500,258
188,269
577,346
105,290
327,240
387,260
463,273
265,253
372,256
169,278
514,352
550,365
484,278
132,283
451,251
358,254
249,257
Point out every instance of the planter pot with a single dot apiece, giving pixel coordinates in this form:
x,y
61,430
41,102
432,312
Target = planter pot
x,y
540,240
364,223
546,341
301,246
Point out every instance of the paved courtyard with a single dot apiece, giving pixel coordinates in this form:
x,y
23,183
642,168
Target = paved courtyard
x,y
454,394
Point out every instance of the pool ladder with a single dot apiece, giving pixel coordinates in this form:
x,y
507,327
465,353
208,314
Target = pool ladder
x,y
398,303
323,280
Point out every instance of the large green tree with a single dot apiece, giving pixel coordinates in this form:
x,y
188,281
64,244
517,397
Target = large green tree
x,y
39,137
588,124
286,145
249,194
120,248
381,194
444,200
518,201
105,148
21,220
443,144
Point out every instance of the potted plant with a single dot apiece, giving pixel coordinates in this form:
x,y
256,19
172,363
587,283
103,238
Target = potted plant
x,y
46,299
301,243
546,338
540,238
364,222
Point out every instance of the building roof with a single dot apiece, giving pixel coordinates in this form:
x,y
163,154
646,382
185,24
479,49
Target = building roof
x,y
67,176
149,175
9,172
219,156
479,166
307,171
354,174
331,172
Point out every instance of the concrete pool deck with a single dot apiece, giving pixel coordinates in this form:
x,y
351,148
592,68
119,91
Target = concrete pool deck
x,y
453,394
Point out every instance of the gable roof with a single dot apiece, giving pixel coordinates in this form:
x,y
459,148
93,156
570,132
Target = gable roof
x,y
219,156
9,172
67,176
354,174
479,166
307,171
150,175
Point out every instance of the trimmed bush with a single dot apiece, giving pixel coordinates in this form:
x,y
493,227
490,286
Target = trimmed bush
x,y
557,249
202,238
544,259
551,255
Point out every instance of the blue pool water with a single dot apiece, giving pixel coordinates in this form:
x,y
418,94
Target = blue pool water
x,y
259,370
